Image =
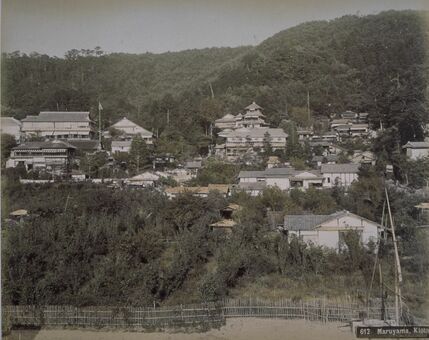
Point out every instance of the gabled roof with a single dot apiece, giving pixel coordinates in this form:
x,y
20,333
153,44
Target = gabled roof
x,y
56,144
10,121
304,222
416,145
311,222
307,174
59,116
145,176
340,168
227,118
126,123
253,107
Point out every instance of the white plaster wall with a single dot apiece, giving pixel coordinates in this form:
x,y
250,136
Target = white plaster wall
x,y
281,183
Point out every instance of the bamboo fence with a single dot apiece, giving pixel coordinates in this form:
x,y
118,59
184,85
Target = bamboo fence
x,y
208,314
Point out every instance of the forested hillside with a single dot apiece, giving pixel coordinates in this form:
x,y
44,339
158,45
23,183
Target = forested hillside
x,y
374,63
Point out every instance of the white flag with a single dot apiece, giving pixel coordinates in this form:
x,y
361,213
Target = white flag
x,y
99,106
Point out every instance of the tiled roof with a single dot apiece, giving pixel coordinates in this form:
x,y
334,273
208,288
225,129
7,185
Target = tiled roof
x,y
304,222
59,116
280,172
10,121
85,145
56,144
251,174
272,172
258,132
311,222
417,145
340,168
252,107
227,118
126,123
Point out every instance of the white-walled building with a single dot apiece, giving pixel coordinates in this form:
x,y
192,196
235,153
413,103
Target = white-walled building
x,y
240,141
416,150
131,129
339,174
121,146
282,178
59,125
52,156
329,230
11,126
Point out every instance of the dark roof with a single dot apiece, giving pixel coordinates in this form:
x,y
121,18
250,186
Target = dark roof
x,y
340,168
252,107
311,222
85,145
274,172
251,174
59,116
56,144
417,145
304,222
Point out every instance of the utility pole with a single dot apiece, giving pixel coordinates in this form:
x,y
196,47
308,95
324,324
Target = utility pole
x,y
398,272
308,107
168,116
100,108
211,89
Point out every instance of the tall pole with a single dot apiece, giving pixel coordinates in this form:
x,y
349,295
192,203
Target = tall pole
x,y
99,123
398,273
308,107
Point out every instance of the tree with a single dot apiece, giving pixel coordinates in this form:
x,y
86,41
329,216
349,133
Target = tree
x,y
7,143
268,150
92,164
139,154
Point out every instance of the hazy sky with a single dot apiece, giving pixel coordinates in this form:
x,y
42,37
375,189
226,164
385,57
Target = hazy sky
x,y
56,26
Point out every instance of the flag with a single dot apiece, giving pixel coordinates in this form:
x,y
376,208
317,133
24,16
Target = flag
x,y
99,106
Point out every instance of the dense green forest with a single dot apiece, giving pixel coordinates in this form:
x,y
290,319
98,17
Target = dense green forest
x,y
93,245
373,63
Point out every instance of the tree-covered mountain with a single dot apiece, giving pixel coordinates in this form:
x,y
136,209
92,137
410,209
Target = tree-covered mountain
x,y
374,63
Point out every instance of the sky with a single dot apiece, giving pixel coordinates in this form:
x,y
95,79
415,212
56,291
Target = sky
x,y
136,26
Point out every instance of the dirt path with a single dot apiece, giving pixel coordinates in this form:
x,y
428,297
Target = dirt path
x,y
237,329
